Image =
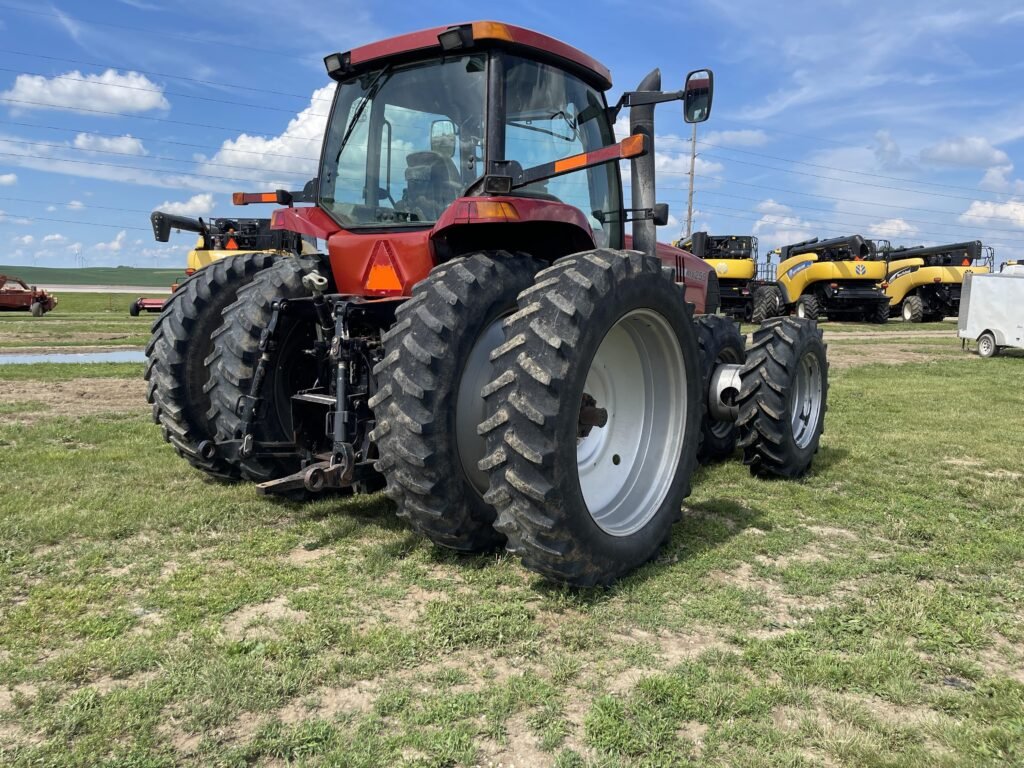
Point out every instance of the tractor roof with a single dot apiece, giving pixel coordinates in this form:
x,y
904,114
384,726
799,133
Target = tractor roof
x,y
471,35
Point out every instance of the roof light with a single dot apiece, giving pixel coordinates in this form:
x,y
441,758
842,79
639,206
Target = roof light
x,y
491,30
454,38
486,209
337,64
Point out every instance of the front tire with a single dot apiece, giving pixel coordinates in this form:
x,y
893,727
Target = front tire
x,y
720,341
913,309
783,398
428,403
806,308
133,308
580,502
36,308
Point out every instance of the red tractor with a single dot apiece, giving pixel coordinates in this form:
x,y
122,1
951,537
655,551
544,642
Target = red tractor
x,y
481,335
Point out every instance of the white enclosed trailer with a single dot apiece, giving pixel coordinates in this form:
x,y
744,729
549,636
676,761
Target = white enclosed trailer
x,y
992,311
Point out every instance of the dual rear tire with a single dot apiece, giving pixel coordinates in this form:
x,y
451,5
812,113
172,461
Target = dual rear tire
x,y
580,451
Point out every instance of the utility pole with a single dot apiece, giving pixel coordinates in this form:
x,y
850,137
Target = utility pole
x,y
689,200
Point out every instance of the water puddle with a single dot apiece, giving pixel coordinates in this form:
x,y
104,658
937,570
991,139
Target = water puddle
x,y
125,356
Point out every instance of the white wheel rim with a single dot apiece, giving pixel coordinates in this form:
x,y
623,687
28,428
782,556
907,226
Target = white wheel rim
x,y
801,310
626,468
906,312
805,400
985,346
470,407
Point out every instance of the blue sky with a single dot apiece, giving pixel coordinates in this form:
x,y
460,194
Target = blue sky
x,y
903,121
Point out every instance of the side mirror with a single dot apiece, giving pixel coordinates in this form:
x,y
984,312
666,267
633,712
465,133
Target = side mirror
x,y
660,214
442,138
697,95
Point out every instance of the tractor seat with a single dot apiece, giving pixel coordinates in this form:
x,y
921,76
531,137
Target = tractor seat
x,y
432,184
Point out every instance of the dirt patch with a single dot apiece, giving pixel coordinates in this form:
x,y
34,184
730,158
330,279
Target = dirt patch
x,y
812,554
521,748
302,557
327,703
1003,474
54,333
405,612
21,690
828,532
832,335
250,621
106,684
851,355
782,610
671,648
75,397
693,732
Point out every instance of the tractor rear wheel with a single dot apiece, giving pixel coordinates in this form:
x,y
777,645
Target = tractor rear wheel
x,y
133,308
766,303
593,417
176,355
720,342
236,354
428,404
783,398
806,308
913,309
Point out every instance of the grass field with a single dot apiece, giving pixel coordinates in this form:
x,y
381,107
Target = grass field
x,y
870,615
157,278
80,320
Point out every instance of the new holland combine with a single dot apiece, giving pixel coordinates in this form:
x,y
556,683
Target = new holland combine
x,y
734,259
218,239
924,283
481,334
840,278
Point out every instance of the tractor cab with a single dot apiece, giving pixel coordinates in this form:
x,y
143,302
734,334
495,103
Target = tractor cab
x,y
479,136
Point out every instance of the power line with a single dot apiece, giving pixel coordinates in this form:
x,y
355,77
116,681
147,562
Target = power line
x,y
841,170
137,168
847,225
160,91
853,213
153,140
211,83
832,178
137,117
778,191
156,33
69,221
148,157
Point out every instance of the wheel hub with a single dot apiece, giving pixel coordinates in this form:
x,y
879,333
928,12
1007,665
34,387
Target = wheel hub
x,y
638,378
806,400
469,405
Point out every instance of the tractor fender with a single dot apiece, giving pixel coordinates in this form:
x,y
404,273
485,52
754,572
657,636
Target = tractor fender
x,y
312,221
691,271
545,228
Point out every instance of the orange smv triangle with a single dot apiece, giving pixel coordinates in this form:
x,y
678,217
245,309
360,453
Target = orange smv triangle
x,y
382,274
232,245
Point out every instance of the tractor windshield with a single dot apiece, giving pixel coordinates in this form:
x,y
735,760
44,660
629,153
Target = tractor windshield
x,y
402,143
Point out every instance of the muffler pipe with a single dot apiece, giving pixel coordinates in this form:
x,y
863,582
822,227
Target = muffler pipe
x,y
641,120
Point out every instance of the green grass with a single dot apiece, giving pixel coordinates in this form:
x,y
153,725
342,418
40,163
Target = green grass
x,y
869,615
157,278
79,320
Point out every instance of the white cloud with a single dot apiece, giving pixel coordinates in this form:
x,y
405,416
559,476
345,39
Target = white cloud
x,y
51,208
76,205
287,160
779,226
23,240
111,91
114,245
997,179
55,238
980,213
965,152
74,247
893,228
8,179
197,205
126,145
742,138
